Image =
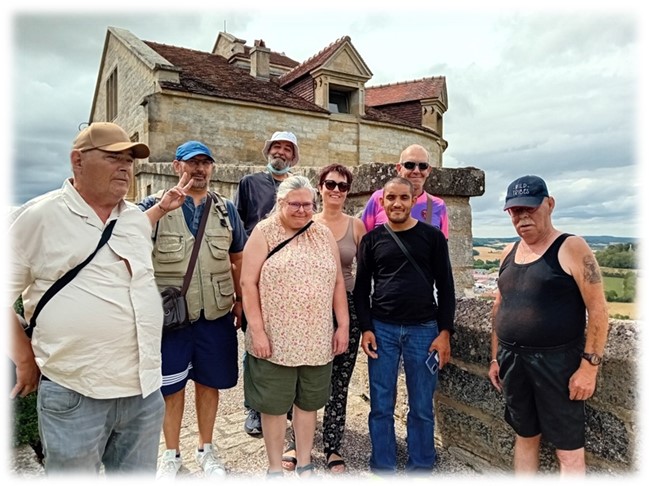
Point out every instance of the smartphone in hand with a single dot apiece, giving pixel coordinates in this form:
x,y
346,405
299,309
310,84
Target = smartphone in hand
x,y
432,362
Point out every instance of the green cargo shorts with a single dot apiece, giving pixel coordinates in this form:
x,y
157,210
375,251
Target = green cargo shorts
x,y
273,389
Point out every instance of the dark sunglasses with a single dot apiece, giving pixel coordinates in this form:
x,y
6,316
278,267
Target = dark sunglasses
x,y
411,165
331,185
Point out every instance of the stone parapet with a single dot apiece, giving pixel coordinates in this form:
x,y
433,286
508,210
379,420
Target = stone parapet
x,y
456,186
470,411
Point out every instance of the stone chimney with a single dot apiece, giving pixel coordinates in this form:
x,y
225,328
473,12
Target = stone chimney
x,y
260,61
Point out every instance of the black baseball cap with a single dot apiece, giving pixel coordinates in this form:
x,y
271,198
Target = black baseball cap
x,y
527,191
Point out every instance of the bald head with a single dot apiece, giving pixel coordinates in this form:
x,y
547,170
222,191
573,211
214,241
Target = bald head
x,y
415,153
414,166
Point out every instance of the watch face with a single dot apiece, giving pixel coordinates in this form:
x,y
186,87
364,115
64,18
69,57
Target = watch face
x,y
592,358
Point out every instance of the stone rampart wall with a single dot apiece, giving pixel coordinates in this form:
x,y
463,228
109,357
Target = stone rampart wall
x,y
470,411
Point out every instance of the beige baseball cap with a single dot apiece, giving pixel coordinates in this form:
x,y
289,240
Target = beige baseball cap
x,y
110,137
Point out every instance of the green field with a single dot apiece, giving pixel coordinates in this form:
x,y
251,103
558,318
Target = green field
x,y
614,283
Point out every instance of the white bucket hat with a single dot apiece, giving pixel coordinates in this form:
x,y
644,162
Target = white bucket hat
x,y
287,137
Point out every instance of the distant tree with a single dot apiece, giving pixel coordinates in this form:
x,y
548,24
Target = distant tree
x,y
619,255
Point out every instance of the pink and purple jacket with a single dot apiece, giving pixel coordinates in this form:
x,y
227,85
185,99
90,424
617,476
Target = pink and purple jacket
x,y
374,215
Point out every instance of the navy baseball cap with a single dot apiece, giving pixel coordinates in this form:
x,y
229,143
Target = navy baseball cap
x,y
191,149
527,191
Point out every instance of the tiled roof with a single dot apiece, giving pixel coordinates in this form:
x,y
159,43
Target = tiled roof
x,y
375,114
312,63
212,75
407,91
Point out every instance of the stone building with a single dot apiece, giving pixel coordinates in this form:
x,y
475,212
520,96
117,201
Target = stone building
x,y
236,96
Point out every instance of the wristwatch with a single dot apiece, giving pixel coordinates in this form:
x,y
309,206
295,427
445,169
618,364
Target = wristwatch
x,y
593,358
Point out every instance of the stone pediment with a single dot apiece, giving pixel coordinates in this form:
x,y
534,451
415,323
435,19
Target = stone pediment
x,y
346,60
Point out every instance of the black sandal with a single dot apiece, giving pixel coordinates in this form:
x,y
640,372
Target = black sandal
x,y
335,462
289,462
304,469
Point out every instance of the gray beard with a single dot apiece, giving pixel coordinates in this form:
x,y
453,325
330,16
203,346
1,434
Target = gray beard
x,y
278,163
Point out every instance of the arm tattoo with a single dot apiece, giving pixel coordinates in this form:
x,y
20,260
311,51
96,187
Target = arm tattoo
x,y
591,271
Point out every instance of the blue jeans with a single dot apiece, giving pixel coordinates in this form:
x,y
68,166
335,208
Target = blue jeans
x,y
409,343
80,433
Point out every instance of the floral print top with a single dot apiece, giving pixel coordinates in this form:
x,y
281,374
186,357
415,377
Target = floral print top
x,y
296,289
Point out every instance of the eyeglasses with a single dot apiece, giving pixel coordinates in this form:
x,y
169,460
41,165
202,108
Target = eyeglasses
x,y
331,185
519,210
295,206
411,165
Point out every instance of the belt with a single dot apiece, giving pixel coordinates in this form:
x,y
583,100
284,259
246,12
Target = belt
x,y
45,378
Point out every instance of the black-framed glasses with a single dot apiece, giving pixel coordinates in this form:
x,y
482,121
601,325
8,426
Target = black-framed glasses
x,y
331,185
295,206
411,165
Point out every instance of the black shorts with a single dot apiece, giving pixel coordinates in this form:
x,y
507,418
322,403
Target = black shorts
x,y
537,399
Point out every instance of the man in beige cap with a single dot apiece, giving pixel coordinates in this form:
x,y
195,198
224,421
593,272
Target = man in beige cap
x,y
96,347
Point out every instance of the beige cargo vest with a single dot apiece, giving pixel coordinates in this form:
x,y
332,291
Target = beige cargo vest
x,y
211,287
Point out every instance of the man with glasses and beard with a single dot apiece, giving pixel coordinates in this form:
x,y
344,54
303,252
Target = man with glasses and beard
x,y
207,350
255,196
254,199
414,166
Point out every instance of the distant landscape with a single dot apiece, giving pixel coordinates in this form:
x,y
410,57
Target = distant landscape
x,y
488,250
595,242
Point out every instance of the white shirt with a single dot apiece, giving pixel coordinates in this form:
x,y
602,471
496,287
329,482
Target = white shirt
x,y
100,335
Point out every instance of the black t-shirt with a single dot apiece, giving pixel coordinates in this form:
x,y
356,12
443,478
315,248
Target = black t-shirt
x,y
400,295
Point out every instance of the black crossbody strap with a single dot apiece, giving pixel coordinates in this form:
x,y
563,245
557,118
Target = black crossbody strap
x,y
67,278
197,244
407,253
288,240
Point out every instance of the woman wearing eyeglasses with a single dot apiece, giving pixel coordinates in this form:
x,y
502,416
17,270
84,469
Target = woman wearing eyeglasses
x,y
291,278
334,183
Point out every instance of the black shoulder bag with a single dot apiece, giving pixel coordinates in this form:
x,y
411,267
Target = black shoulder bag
x,y
176,315
407,253
244,321
67,278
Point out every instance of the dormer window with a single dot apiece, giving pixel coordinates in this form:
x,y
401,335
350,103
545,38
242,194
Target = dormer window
x,y
338,101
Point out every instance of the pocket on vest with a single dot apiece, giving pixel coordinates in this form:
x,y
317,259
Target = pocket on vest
x,y
219,246
223,289
169,248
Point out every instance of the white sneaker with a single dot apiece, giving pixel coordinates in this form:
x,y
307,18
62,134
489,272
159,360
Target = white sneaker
x,y
208,461
169,465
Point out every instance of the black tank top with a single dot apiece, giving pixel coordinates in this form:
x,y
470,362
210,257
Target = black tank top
x,y
541,305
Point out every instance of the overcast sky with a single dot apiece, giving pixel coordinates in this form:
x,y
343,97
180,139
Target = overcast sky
x,y
551,92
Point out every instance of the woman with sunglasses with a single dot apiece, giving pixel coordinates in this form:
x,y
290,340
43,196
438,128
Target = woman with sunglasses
x,y
334,183
291,279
